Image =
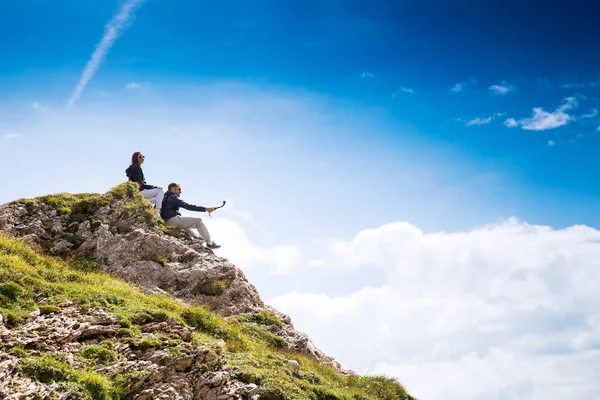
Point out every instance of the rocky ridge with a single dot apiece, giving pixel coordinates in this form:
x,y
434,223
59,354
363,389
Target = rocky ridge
x,y
124,238
163,372
83,350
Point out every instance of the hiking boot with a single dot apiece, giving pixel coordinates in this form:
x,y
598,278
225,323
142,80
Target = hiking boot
x,y
212,245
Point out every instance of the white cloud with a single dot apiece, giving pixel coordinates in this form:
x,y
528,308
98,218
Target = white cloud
x,y
551,143
483,120
112,30
133,85
10,136
237,248
591,114
461,86
403,89
543,120
580,85
479,121
508,310
37,107
501,89
573,85
366,74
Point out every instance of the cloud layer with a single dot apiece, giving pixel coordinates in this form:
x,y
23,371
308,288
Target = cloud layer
x,y
276,260
503,311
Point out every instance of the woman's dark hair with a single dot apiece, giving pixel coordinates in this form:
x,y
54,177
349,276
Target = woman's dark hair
x,y
134,158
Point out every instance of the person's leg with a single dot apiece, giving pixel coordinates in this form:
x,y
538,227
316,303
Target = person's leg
x,y
155,196
160,193
190,223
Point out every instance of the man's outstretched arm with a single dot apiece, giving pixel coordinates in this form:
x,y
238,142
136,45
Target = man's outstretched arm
x,y
191,207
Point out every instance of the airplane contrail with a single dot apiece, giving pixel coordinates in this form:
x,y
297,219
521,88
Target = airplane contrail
x,y
112,30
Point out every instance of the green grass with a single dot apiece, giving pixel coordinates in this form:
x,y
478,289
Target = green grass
x,y
48,309
254,354
80,207
16,351
264,335
263,317
99,354
51,369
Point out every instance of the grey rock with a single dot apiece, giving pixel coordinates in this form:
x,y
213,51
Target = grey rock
x,y
141,253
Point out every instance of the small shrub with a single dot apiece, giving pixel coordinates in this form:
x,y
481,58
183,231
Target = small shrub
x,y
99,353
14,317
88,204
272,393
145,344
263,317
205,321
75,240
380,387
125,382
124,191
16,351
46,369
310,376
11,291
214,287
266,336
96,385
48,309
248,375
62,202
125,323
142,318
324,393
127,332
159,316
268,317
30,204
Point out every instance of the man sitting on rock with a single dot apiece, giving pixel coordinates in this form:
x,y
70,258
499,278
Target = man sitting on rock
x,y
170,213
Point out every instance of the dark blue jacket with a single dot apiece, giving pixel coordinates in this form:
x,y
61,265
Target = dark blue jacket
x,y
171,204
135,174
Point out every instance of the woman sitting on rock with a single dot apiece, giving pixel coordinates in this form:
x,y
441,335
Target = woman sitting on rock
x,y
135,174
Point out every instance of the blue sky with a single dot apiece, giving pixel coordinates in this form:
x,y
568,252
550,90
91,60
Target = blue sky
x,y
322,123
355,53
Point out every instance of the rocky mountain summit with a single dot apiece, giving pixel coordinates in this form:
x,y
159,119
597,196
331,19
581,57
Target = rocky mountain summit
x,y
99,300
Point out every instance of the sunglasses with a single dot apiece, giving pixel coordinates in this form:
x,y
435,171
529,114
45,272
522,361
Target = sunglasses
x,y
141,157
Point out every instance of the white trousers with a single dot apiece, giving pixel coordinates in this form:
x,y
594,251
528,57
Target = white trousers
x,y
155,196
190,223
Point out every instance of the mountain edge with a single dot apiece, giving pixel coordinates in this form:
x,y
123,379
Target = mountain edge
x,y
100,300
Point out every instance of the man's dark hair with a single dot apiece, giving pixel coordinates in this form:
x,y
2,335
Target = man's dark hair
x,y
173,185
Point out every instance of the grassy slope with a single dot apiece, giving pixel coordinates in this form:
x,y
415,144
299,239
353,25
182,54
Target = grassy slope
x,y
30,280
